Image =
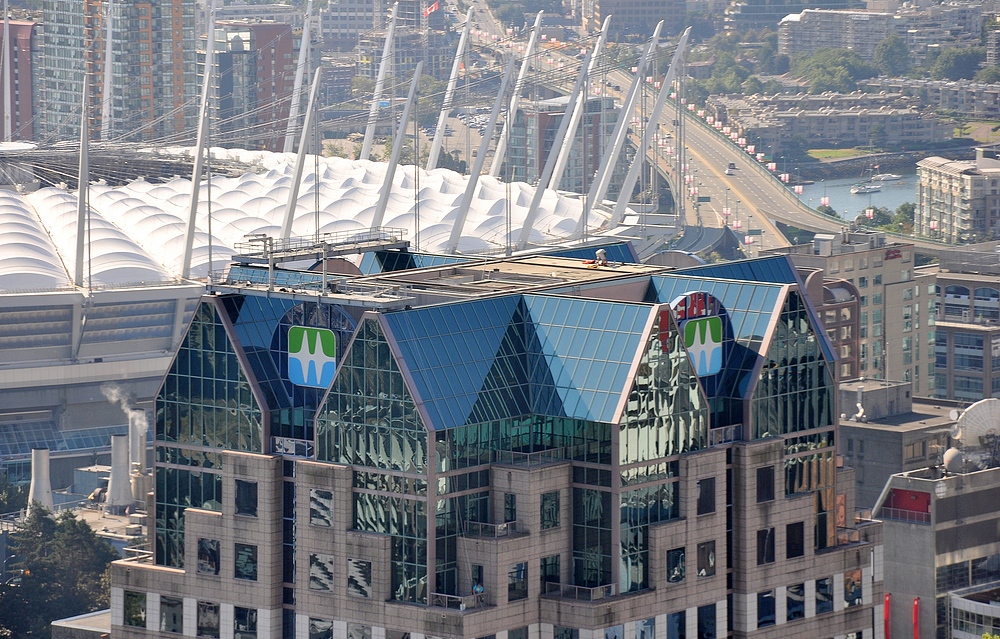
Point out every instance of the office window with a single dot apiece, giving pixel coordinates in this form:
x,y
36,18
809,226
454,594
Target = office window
x,y
477,578
246,498
322,629
824,595
560,632
245,623
706,496
509,507
359,578
852,588
765,546
320,507
706,622
765,609
706,559
518,633
644,629
517,581
171,614
208,619
358,631
208,556
795,540
246,562
795,598
135,609
321,572
550,510
765,484
550,571
675,565
677,625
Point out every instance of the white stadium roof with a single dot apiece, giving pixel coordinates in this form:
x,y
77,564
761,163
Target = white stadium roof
x,y
137,231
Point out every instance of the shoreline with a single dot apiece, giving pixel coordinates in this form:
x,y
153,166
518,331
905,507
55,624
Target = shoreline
x,y
888,163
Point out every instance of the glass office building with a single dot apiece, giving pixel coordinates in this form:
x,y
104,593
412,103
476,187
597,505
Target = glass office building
x,y
534,447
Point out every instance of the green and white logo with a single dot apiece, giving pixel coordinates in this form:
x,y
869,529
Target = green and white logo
x,y
703,340
312,356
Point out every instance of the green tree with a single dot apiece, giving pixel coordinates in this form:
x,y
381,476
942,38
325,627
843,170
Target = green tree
x,y
13,497
957,64
892,56
752,85
988,75
826,209
833,70
61,563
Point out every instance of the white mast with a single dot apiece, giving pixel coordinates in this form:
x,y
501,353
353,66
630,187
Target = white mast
x,y
199,158
501,149
654,116
300,69
7,48
397,147
449,92
366,147
106,115
300,160
574,111
529,219
599,188
484,145
82,188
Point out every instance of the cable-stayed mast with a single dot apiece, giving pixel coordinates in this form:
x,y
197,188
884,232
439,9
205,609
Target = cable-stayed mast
x,y
501,149
449,93
293,108
366,146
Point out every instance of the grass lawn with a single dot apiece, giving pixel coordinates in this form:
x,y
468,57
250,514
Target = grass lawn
x,y
836,154
980,131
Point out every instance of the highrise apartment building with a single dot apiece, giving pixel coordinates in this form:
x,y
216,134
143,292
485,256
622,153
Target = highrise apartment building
x,y
812,29
25,57
958,201
153,76
528,448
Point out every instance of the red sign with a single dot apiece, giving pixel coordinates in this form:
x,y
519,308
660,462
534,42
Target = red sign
x,y
893,254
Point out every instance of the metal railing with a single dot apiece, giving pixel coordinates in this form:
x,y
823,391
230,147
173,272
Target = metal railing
x,y
580,592
277,245
138,555
492,531
898,514
537,458
458,602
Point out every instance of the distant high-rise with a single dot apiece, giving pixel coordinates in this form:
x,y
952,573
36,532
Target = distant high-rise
x,y
24,57
153,77
634,17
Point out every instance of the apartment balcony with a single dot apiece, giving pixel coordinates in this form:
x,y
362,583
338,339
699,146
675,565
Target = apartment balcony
x,y
490,531
579,593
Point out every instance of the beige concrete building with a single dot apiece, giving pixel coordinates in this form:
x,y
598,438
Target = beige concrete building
x,y
958,201
813,29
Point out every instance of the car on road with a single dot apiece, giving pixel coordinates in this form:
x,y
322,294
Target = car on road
x,y
729,171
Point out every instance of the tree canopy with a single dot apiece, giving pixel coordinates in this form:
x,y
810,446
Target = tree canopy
x,y
892,56
833,70
61,565
957,64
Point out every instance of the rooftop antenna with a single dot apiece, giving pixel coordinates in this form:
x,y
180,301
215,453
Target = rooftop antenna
x,y
7,46
397,148
654,116
477,169
529,219
366,146
199,158
432,158
83,190
106,113
574,111
599,188
293,108
300,160
501,150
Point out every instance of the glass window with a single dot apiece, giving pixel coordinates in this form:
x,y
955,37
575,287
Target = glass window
x,y
675,565
359,578
135,609
824,595
321,629
550,510
320,507
765,546
246,562
560,632
706,622
765,484
706,559
171,614
358,631
321,572
765,609
509,507
518,633
550,571
517,581
208,619
706,496
246,498
795,602
644,629
245,623
852,588
795,542
477,578
677,625
208,556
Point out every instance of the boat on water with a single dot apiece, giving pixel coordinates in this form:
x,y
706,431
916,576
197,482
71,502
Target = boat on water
x,y
861,189
887,177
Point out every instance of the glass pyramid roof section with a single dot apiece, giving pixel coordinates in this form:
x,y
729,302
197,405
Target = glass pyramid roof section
x,y
774,270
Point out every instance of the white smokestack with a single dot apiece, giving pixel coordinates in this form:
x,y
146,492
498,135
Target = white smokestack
x,y
137,426
41,486
119,486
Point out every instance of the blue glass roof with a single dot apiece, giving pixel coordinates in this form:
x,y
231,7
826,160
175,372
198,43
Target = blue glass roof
x,y
617,252
239,274
387,261
775,270
474,361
